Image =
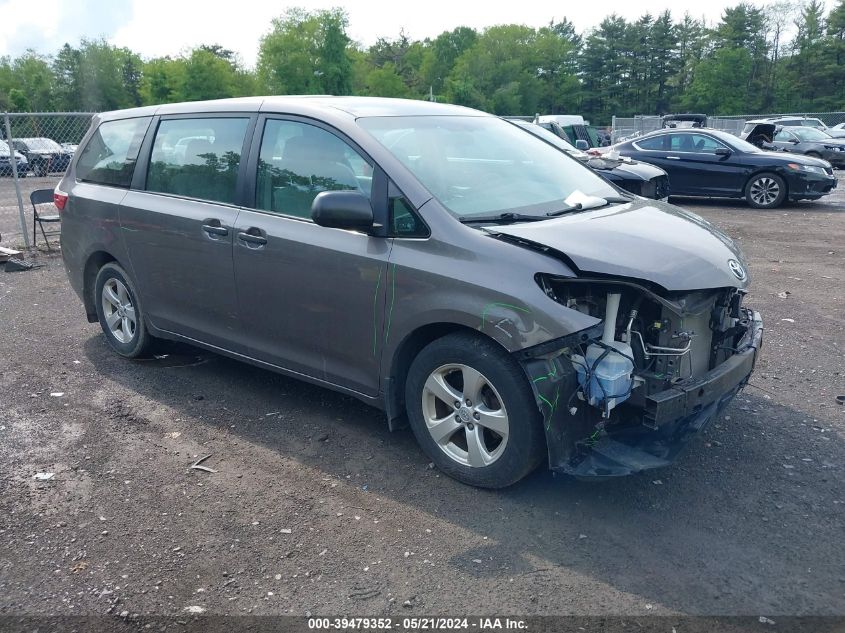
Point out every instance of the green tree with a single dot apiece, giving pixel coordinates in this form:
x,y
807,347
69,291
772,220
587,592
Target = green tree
x,y
32,83
163,80
208,76
306,53
333,61
440,55
386,82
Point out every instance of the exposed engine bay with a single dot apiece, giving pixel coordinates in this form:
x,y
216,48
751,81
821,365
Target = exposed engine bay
x,y
654,362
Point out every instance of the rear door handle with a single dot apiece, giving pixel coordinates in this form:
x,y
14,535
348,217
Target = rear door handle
x,y
252,236
214,227
673,157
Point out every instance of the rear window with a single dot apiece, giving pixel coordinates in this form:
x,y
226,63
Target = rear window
x,y
197,158
110,154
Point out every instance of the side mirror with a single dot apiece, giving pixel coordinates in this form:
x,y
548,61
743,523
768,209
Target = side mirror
x,y
794,141
582,145
350,210
722,151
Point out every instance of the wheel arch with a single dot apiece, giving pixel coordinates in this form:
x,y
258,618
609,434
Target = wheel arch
x,y
403,356
93,263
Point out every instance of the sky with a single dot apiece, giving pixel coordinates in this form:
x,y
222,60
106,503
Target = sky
x,y
167,27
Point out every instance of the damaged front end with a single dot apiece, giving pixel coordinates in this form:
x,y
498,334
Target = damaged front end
x,y
627,394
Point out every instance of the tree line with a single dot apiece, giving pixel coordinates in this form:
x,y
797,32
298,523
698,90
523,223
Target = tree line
x,y
788,56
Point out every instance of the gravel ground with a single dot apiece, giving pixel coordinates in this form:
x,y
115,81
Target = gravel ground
x,y
314,507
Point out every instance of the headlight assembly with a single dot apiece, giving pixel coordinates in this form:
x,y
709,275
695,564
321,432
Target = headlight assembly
x,y
813,169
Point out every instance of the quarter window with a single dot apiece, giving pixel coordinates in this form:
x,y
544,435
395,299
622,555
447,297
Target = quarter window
x,y
404,220
109,156
197,158
653,143
297,161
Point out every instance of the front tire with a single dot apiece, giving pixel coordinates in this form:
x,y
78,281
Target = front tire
x,y
473,412
119,312
765,191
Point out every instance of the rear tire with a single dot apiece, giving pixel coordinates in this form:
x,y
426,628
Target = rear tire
x,y
120,313
765,191
494,436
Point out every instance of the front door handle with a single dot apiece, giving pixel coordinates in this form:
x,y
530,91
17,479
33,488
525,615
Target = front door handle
x,y
673,157
252,236
214,227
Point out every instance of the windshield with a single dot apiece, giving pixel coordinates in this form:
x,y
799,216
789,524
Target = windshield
x,y
809,134
737,143
41,144
549,137
478,166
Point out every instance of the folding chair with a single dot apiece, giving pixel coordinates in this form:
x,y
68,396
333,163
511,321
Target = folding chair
x,y
42,196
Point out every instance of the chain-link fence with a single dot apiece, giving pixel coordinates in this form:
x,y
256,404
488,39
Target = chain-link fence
x,y
828,118
35,150
624,128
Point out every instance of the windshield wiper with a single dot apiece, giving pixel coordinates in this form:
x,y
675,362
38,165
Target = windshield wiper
x,y
580,207
500,218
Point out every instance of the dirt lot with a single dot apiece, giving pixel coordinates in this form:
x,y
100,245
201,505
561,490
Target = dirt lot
x,y
316,508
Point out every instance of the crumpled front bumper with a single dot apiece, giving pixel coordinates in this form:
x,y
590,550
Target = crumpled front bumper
x,y
671,419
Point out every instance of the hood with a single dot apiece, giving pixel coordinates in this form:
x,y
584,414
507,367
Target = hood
x,y
628,170
645,239
789,157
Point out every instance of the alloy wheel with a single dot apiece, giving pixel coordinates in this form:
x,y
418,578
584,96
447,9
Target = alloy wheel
x,y
764,191
119,311
465,415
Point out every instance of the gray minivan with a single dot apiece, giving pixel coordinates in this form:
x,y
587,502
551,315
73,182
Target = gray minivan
x,y
431,260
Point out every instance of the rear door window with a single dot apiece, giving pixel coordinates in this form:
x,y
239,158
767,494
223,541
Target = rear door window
x,y
110,154
198,158
297,161
653,143
695,143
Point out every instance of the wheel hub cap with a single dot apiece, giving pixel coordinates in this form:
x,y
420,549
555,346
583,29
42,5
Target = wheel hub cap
x,y
465,415
119,311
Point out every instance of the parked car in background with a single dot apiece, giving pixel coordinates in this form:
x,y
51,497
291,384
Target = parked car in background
x,y
44,155
792,121
811,142
573,128
431,260
705,162
6,161
639,178
70,148
838,126
682,121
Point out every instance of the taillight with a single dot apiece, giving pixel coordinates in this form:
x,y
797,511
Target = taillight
x,y
59,199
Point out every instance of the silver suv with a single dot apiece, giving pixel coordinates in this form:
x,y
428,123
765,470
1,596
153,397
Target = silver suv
x,y
433,261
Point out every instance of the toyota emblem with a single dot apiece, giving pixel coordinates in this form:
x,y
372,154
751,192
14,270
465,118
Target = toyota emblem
x,y
737,269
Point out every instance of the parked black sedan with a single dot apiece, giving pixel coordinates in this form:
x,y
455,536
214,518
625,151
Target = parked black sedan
x,y
811,142
43,154
639,178
704,162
